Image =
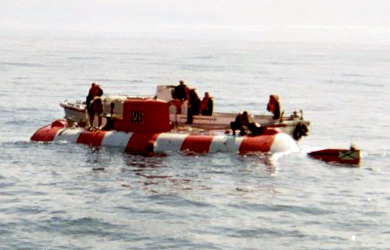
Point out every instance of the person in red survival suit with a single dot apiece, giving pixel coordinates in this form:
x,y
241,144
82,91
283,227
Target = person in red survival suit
x,y
94,91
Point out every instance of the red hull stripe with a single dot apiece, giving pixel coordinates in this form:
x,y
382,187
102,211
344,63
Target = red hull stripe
x,y
93,138
45,134
154,138
197,144
256,144
141,143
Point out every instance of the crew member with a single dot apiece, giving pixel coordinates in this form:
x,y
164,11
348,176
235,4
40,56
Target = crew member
x,y
274,106
207,104
176,103
94,91
193,106
95,107
181,91
241,123
110,119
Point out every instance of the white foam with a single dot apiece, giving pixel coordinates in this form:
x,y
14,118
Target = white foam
x,y
282,143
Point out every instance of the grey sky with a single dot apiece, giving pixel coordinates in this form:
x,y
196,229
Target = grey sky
x,y
202,17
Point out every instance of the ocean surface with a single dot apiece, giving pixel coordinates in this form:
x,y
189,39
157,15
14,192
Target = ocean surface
x,y
61,196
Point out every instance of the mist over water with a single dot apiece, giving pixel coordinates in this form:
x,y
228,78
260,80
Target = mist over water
x,y
62,196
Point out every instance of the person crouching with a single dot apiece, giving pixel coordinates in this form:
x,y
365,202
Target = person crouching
x,y
241,123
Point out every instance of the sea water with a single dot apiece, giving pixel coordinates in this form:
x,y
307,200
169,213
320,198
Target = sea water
x,y
63,196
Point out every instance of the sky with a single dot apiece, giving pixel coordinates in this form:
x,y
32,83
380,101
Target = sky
x,y
252,19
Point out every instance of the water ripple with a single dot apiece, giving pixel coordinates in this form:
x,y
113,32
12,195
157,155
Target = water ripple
x,y
63,196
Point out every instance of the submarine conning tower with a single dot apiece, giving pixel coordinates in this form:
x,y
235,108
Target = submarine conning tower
x,y
144,115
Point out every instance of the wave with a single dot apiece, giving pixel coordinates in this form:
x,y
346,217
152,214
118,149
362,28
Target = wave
x,y
17,64
85,58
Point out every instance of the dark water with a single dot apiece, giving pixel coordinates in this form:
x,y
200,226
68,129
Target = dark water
x,y
59,196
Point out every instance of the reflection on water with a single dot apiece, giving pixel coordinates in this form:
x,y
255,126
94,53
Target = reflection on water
x,y
197,172
157,174
94,155
260,160
150,165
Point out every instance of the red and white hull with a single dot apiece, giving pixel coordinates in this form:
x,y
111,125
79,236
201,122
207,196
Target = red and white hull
x,y
166,142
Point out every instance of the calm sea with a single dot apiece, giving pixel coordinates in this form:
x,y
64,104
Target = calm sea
x,y
60,196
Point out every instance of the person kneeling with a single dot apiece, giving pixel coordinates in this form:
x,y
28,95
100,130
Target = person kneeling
x,y
241,123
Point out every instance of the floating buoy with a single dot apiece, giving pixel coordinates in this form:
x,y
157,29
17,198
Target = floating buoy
x,y
349,156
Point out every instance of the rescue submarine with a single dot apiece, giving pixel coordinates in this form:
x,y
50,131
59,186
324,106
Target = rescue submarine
x,y
145,128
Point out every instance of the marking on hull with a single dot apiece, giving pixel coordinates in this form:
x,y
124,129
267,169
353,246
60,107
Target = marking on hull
x,y
349,155
224,143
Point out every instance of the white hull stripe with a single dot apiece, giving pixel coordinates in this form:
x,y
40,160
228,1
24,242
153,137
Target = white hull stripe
x,y
116,139
168,142
224,143
68,135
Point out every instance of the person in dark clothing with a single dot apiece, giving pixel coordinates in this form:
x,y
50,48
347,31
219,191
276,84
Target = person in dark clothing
x,y
193,106
207,104
277,110
241,123
100,91
181,91
95,107
111,118
91,94
94,91
274,106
